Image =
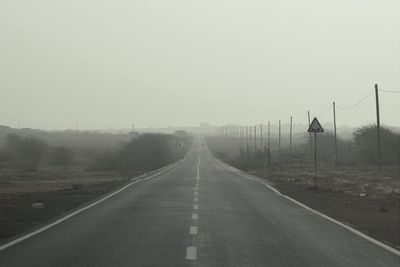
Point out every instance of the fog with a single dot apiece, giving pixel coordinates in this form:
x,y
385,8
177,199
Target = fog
x,y
106,64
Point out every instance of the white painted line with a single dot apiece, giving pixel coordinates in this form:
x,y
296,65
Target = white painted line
x,y
195,216
72,214
196,199
198,168
354,231
193,230
196,193
195,207
191,253
196,188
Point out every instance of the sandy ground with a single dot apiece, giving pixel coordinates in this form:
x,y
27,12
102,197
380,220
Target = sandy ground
x,y
368,201
58,191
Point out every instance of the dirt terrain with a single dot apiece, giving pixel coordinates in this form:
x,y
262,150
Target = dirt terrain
x,y
364,199
54,192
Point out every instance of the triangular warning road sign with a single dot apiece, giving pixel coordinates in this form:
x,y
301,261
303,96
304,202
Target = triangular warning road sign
x,y
315,127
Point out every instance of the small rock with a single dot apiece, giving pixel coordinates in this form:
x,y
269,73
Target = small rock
x,y
383,209
77,186
37,205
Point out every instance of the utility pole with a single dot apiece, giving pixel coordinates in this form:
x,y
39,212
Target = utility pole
x,y
309,123
290,135
261,136
237,129
240,137
237,134
334,129
269,135
279,141
247,142
247,135
250,140
315,160
378,126
268,143
242,134
255,140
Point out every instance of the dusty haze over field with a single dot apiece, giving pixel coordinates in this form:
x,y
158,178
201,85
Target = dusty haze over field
x,y
158,63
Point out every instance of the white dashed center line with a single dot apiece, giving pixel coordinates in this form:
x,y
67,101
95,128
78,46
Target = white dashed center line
x,y
193,230
191,253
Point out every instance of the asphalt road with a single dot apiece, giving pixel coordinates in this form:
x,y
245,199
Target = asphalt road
x,y
198,213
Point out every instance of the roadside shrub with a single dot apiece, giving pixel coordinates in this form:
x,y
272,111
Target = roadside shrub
x,y
29,150
144,153
366,143
147,152
61,156
106,161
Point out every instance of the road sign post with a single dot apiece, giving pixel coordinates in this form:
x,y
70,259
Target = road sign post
x,y
315,127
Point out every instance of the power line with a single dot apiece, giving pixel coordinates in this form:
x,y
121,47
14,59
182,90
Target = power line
x,y
358,103
325,111
303,119
390,91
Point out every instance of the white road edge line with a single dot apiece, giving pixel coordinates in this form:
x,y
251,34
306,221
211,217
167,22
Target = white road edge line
x,y
46,227
370,239
195,207
195,216
191,253
196,199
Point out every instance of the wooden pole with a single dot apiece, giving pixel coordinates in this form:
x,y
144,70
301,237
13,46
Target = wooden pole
x,y
250,136
279,141
269,135
378,126
335,132
315,160
261,136
255,140
247,135
309,123
290,135
269,145
240,136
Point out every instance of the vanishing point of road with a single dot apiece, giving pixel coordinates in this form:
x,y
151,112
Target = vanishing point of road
x,y
198,212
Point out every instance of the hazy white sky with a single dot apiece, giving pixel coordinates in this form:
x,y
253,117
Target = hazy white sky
x,y
159,63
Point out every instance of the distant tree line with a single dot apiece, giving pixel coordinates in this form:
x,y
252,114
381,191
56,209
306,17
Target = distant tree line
x,y
142,153
147,152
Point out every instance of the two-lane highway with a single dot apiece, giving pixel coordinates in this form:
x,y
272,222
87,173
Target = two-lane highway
x,y
198,213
